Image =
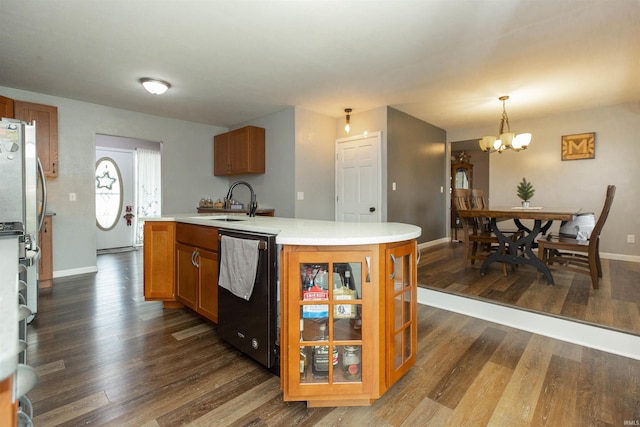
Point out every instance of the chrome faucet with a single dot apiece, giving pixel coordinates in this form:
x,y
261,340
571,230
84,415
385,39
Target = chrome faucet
x,y
253,206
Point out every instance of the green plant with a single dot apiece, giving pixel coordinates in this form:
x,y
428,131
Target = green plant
x,y
525,190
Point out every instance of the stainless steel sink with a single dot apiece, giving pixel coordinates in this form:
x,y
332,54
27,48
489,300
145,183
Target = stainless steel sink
x,y
217,218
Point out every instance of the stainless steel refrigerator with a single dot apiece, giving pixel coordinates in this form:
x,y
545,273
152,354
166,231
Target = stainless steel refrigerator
x,y
23,194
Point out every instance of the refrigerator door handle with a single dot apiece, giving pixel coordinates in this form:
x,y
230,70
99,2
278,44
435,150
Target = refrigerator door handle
x,y
44,195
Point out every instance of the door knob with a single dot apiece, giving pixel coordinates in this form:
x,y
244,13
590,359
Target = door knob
x,y
372,209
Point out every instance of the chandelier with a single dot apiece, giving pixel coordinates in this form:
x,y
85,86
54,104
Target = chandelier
x,y
504,139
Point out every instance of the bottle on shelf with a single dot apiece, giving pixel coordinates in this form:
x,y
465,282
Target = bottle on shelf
x,y
321,279
351,364
344,292
307,279
312,292
320,356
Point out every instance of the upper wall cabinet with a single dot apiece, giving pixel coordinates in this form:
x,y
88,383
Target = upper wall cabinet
x,y
6,107
239,151
46,118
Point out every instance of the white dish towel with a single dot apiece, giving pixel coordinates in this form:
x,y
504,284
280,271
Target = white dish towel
x,y
238,266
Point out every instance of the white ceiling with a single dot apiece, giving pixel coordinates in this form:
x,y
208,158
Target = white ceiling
x,y
443,61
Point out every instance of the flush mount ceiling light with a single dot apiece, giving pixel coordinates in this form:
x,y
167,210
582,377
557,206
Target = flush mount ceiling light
x,y
347,126
504,139
155,86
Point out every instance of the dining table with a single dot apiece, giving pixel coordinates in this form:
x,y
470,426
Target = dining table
x,y
519,251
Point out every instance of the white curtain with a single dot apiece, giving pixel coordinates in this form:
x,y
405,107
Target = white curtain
x,y
149,189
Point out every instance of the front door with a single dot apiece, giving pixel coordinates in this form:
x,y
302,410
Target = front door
x,y
358,178
115,232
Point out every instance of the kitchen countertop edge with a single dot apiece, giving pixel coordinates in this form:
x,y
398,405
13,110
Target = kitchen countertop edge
x,y
307,232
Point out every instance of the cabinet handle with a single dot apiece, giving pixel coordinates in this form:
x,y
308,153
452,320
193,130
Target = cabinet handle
x,y
368,261
194,258
393,262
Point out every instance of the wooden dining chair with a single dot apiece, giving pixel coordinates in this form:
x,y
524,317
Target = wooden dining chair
x,y
479,201
479,243
579,256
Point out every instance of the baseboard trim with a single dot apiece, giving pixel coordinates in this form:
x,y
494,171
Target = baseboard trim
x,y
599,338
75,271
620,257
431,243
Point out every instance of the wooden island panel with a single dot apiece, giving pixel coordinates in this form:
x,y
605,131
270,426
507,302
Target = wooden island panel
x,y
388,284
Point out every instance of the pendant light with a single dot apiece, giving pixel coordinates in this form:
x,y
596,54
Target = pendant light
x,y
347,126
505,139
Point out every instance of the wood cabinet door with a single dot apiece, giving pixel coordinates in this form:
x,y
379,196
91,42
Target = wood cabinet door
x,y
45,241
159,260
8,405
187,275
239,151
46,118
401,309
221,165
208,285
342,330
6,107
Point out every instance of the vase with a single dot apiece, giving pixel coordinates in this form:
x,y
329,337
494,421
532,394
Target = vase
x,y
525,205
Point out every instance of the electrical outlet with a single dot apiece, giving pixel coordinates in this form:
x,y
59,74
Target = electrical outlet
x,y
631,238
72,197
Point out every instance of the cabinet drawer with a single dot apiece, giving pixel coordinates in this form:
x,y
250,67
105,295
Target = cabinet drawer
x,y
201,236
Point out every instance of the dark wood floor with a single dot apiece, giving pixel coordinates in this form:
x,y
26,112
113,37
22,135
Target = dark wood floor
x,y
616,304
107,357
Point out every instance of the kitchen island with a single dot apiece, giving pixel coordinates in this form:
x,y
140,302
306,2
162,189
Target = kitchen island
x,y
345,339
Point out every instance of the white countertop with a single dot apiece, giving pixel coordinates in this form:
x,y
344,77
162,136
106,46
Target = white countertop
x,y
291,231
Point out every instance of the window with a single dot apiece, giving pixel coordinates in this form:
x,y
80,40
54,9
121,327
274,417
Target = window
x,y
108,194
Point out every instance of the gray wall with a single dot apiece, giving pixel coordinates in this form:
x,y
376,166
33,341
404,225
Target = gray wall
x,y
576,183
315,165
275,188
187,169
415,153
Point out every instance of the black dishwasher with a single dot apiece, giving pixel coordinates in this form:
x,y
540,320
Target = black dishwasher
x,y
251,325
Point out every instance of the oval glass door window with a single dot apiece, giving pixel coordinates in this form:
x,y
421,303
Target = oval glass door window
x,y
108,194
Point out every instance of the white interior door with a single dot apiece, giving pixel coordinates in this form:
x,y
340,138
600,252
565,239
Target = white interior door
x,y
121,235
358,179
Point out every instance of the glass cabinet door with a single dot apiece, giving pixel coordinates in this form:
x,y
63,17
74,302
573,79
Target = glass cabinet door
x,y
401,310
329,310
